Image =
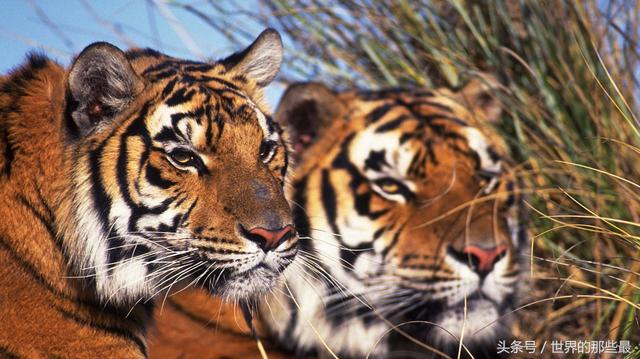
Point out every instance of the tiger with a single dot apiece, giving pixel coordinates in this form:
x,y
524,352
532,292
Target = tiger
x,y
408,211
128,176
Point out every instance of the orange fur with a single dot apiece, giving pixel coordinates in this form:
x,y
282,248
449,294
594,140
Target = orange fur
x,y
82,149
426,229
42,310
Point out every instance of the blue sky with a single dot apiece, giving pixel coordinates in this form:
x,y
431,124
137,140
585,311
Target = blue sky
x,y
77,25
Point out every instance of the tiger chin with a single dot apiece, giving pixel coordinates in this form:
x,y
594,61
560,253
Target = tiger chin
x,y
411,218
130,176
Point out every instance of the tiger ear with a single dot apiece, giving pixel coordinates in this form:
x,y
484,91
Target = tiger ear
x,y
260,61
480,96
101,83
306,109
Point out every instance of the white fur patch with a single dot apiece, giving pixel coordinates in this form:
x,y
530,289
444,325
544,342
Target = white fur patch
x,y
478,142
398,158
480,315
262,121
121,282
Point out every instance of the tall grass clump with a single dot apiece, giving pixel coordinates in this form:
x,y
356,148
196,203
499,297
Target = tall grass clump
x,y
568,73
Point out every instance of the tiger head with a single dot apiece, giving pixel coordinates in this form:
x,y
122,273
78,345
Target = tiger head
x,y
178,172
407,214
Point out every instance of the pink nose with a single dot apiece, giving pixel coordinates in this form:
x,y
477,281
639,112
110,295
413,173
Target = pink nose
x,y
270,239
486,257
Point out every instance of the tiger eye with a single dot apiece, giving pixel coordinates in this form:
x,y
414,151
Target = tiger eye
x,y
182,157
267,150
390,187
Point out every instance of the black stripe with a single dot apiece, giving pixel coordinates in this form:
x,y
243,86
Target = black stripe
x,y
210,119
219,251
511,199
392,125
6,353
115,331
416,167
377,214
166,134
164,74
394,241
300,218
173,227
186,216
122,170
137,53
283,170
350,254
136,128
35,275
47,221
117,249
361,201
154,177
271,125
179,97
376,160
169,88
379,232
50,215
226,83
197,68
159,67
179,116
495,157
329,200
9,151
378,113
407,136
102,202
29,269
438,116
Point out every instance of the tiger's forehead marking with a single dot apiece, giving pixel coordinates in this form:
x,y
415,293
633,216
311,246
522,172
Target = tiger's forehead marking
x,y
388,146
381,154
192,75
192,123
186,128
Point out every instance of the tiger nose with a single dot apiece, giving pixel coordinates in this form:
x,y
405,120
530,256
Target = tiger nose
x,y
484,258
269,239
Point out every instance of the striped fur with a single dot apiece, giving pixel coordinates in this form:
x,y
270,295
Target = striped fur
x,y
129,176
383,188
397,252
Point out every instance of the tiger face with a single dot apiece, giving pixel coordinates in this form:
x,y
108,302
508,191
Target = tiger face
x,y
178,173
407,209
